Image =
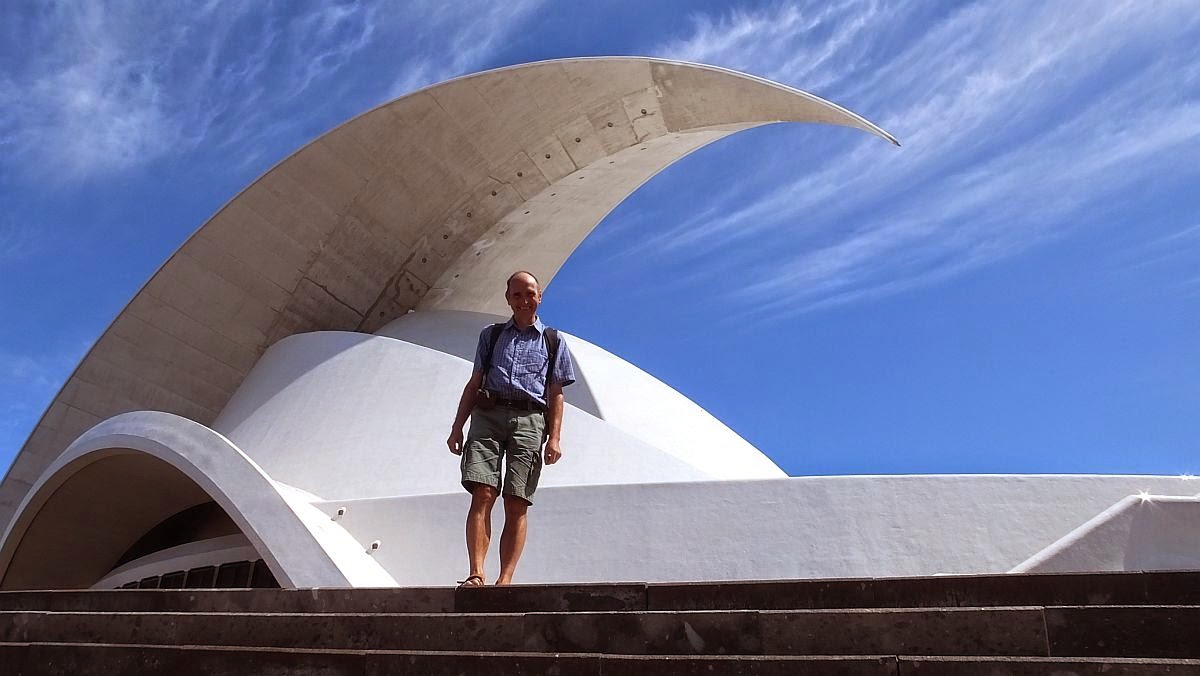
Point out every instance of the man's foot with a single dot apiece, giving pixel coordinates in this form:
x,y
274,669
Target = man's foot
x,y
471,581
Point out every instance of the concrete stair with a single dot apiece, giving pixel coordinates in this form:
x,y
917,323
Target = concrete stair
x,y
1108,623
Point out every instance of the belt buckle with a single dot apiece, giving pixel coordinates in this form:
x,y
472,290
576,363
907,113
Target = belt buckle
x,y
521,404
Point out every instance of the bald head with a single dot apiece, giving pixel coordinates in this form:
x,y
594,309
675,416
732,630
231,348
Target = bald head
x,y
523,276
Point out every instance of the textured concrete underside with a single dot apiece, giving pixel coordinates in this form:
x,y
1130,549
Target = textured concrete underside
x,y
422,203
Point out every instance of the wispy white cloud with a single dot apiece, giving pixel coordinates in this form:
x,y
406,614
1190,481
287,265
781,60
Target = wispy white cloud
x,y
16,238
1178,250
993,164
1186,236
460,36
106,85
1189,288
99,87
328,38
102,109
40,374
777,42
27,383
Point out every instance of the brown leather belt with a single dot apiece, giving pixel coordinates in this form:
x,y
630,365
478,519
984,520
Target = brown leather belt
x,y
519,404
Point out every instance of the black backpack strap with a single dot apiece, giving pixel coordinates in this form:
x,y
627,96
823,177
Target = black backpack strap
x,y
551,336
491,347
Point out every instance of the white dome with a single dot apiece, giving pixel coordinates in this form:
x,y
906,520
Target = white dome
x,y
343,415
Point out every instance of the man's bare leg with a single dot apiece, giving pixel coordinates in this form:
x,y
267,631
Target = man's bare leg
x,y
512,540
479,526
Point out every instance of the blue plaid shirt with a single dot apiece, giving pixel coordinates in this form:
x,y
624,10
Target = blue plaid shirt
x,y
519,362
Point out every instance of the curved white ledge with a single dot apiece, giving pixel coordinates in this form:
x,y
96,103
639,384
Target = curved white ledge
x,y
1139,532
211,462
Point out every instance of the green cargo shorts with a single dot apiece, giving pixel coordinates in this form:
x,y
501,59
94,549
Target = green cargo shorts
x,y
518,437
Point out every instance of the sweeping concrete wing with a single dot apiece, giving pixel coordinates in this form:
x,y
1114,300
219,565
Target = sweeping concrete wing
x,y
422,203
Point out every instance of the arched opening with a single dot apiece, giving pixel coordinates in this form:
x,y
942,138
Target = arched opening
x,y
112,507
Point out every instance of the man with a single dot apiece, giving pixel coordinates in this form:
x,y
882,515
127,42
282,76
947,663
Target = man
x,y
515,402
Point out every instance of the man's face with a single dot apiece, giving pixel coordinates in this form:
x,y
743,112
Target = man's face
x,y
524,296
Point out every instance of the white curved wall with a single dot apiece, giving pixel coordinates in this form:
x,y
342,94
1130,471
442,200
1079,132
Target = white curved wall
x,y
633,400
348,415
811,527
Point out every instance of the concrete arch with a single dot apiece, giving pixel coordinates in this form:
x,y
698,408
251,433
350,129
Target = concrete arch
x,y
421,203
128,473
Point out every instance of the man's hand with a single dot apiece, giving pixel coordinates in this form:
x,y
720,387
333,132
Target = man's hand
x,y
465,403
553,451
554,415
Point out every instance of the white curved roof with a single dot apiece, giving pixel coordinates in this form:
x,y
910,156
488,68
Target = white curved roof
x,y
423,202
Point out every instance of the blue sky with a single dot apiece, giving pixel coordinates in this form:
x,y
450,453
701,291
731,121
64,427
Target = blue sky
x,y
1016,289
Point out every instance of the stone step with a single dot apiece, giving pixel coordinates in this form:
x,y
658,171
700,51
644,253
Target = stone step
x,y
1160,588
398,600
1060,589
1083,631
88,659
1044,666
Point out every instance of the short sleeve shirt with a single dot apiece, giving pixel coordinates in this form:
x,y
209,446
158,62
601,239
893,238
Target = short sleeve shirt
x,y
520,360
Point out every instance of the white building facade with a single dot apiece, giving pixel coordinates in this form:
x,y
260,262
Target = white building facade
x,y
272,407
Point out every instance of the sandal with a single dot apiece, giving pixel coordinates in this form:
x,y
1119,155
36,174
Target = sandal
x,y
469,582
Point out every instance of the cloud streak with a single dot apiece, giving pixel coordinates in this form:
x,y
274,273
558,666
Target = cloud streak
x,y
993,164
36,379
103,87
111,86
16,238
459,37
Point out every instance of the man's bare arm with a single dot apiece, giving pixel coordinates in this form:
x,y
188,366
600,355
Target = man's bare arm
x,y
554,416
465,404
